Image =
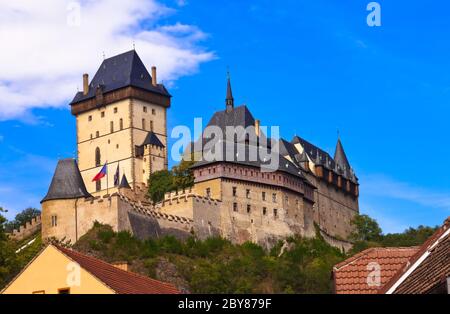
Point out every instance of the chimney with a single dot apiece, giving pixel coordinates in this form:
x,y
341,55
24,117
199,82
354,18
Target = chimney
x,y
154,81
121,265
257,124
85,84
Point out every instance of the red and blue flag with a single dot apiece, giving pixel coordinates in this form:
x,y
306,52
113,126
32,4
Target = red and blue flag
x,y
101,174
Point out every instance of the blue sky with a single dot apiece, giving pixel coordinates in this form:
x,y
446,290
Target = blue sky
x,y
311,67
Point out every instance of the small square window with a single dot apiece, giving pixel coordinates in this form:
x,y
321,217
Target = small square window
x,y
115,109
153,111
247,193
275,213
64,291
235,207
90,118
263,196
145,109
249,208
264,211
234,191
102,114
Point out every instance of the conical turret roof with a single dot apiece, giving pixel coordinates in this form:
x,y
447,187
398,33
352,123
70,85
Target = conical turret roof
x,y
67,182
339,156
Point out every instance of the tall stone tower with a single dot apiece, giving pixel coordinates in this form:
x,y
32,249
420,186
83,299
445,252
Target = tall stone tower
x,y
121,122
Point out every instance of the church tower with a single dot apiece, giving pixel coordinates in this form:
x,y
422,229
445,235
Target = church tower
x,y
121,119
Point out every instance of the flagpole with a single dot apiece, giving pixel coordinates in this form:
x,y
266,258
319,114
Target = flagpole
x,y
107,179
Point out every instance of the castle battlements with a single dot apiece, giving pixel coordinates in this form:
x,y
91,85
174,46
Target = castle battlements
x,y
27,230
149,211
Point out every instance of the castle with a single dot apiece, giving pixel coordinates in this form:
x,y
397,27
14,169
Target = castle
x,y
121,119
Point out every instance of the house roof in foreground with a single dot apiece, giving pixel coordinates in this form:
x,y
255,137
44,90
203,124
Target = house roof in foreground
x,y
350,276
428,269
121,281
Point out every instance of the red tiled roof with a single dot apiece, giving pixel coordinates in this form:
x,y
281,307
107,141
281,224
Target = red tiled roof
x,y
121,281
431,272
350,276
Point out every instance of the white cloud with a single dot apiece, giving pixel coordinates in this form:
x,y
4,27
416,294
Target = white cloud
x,y
44,52
383,186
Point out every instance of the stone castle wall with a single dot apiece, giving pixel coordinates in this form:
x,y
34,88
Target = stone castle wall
x,y
333,209
27,230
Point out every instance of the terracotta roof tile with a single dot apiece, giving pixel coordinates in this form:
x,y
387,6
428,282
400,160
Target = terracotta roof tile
x,y
432,272
121,281
350,276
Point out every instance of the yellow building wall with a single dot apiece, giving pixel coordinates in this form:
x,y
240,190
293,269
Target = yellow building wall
x,y
52,270
117,144
214,185
75,217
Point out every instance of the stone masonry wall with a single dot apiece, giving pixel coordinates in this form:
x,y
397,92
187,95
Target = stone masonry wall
x,y
30,228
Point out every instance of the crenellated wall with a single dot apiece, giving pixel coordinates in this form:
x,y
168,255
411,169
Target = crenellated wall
x,y
30,228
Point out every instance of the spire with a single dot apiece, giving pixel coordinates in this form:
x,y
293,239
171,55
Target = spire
x,y
339,156
124,183
229,101
67,182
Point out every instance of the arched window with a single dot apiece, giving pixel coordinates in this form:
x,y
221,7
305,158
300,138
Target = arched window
x,y
121,123
97,157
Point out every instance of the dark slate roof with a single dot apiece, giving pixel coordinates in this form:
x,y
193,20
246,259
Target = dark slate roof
x,y
339,156
317,155
124,183
229,92
237,117
67,182
321,157
283,165
152,139
288,149
120,71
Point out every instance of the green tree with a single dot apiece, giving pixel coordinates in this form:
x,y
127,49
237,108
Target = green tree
x,y
159,183
183,176
366,229
22,218
8,263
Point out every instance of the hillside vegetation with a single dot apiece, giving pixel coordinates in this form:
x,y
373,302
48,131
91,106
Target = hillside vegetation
x,y
216,265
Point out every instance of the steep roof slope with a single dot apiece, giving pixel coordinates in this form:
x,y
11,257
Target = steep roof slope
x,y
339,156
350,276
427,270
125,69
67,182
121,281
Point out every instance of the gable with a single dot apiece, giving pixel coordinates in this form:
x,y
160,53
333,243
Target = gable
x,y
51,270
